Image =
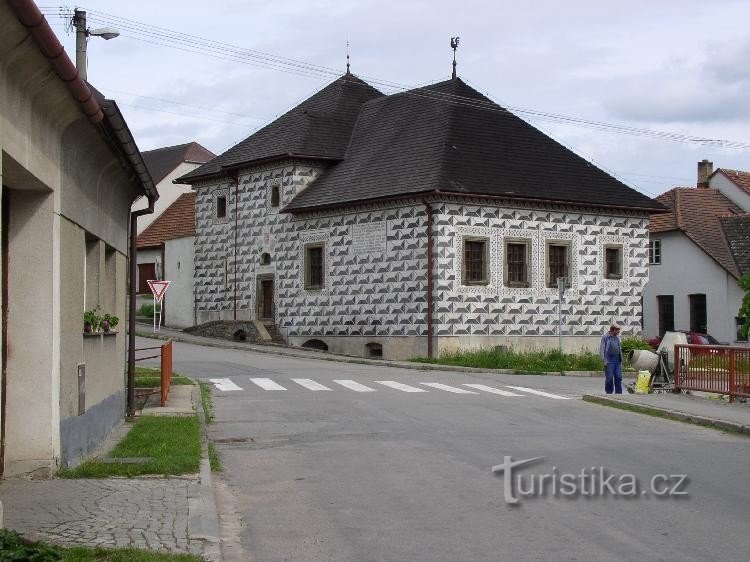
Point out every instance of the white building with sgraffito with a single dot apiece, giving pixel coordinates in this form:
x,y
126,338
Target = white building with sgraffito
x,y
411,224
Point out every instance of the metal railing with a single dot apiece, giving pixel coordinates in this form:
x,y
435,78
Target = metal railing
x,y
713,368
165,354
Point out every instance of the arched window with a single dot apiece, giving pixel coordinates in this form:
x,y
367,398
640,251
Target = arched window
x,y
316,344
265,258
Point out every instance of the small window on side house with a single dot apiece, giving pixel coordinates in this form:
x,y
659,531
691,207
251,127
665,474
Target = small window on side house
x,y
613,262
314,267
654,252
475,261
517,263
558,262
221,206
275,196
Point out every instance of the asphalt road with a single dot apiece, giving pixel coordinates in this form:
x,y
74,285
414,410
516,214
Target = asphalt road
x,y
385,474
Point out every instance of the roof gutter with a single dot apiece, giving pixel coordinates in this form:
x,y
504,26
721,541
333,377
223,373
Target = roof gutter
x,y
30,16
299,210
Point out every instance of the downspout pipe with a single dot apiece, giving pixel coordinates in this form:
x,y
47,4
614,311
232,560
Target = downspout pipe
x,y
132,271
430,350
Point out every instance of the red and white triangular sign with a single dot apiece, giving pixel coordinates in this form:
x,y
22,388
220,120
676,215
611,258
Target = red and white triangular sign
x,y
158,288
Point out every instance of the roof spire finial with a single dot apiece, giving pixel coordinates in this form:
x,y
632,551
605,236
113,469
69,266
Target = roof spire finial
x,y
454,46
347,57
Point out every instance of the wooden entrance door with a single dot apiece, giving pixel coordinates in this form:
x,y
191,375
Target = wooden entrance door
x,y
146,271
266,292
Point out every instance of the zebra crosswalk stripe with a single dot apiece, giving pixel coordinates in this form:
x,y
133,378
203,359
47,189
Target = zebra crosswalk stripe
x,y
225,385
400,386
267,384
310,384
538,392
355,386
447,388
494,390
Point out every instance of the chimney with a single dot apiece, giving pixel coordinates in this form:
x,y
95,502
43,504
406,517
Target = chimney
x,y
705,169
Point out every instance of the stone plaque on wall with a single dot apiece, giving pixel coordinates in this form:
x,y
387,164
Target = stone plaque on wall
x,y
369,238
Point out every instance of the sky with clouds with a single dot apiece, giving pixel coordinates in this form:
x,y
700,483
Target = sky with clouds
x,y
669,65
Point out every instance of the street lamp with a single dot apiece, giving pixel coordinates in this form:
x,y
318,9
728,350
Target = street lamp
x,y
82,36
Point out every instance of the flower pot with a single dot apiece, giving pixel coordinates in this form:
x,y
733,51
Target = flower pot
x,y
87,327
105,326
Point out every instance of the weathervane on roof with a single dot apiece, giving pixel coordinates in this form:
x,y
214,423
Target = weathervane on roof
x,y
347,57
454,46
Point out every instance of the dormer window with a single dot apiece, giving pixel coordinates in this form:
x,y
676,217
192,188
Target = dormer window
x,y
275,196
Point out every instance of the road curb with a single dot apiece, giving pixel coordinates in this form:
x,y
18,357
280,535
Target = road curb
x,y
676,415
203,517
324,356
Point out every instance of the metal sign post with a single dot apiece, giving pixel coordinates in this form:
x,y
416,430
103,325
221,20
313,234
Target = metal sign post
x,y
158,288
561,297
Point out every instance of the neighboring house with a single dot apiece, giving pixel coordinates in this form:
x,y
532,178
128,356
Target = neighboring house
x,y
413,224
169,239
165,165
698,251
70,173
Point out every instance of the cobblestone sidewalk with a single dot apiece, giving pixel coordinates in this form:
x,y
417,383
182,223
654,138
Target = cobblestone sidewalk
x,y
149,513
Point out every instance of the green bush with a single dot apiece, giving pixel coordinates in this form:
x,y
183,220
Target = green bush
x,y
14,547
146,310
630,344
524,361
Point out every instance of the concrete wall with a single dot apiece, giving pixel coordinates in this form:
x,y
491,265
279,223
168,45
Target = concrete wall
x,y
731,191
66,184
179,304
168,194
686,269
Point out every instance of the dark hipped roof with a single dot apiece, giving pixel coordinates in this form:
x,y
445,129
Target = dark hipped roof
x,y
320,127
737,231
697,212
161,161
177,221
451,138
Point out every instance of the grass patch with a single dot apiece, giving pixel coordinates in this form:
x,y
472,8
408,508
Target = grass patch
x,y
146,310
213,457
207,400
173,443
15,547
148,377
526,361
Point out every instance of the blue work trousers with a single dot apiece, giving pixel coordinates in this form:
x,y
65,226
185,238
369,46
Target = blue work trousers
x,y
613,376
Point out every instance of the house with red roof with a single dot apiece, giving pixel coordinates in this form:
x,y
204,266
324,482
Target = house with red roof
x,y
697,253
414,224
169,241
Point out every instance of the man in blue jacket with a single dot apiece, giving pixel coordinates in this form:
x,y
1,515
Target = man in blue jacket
x,y
610,350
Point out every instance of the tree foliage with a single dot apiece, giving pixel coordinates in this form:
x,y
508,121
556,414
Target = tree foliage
x,y
744,313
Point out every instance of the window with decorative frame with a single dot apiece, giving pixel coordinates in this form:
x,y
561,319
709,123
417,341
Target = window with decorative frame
x,y
314,266
654,252
275,195
475,260
221,206
517,263
613,261
557,262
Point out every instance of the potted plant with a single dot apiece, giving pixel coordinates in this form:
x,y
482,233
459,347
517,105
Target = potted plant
x,y
110,322
91,320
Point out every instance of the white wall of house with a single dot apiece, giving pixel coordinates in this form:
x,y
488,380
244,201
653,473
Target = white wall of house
x,y
179,305
686,269
732,192
168,194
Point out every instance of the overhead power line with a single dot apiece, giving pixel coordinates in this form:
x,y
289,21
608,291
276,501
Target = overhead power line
x,y
198,45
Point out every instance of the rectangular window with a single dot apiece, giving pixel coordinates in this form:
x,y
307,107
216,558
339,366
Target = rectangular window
x,y
475,261
665,304
698,315
314,267
654,252
221,206
517,263
558,262
275,198
613,262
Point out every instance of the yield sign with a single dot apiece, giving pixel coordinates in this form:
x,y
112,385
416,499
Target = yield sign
x,y
158,288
